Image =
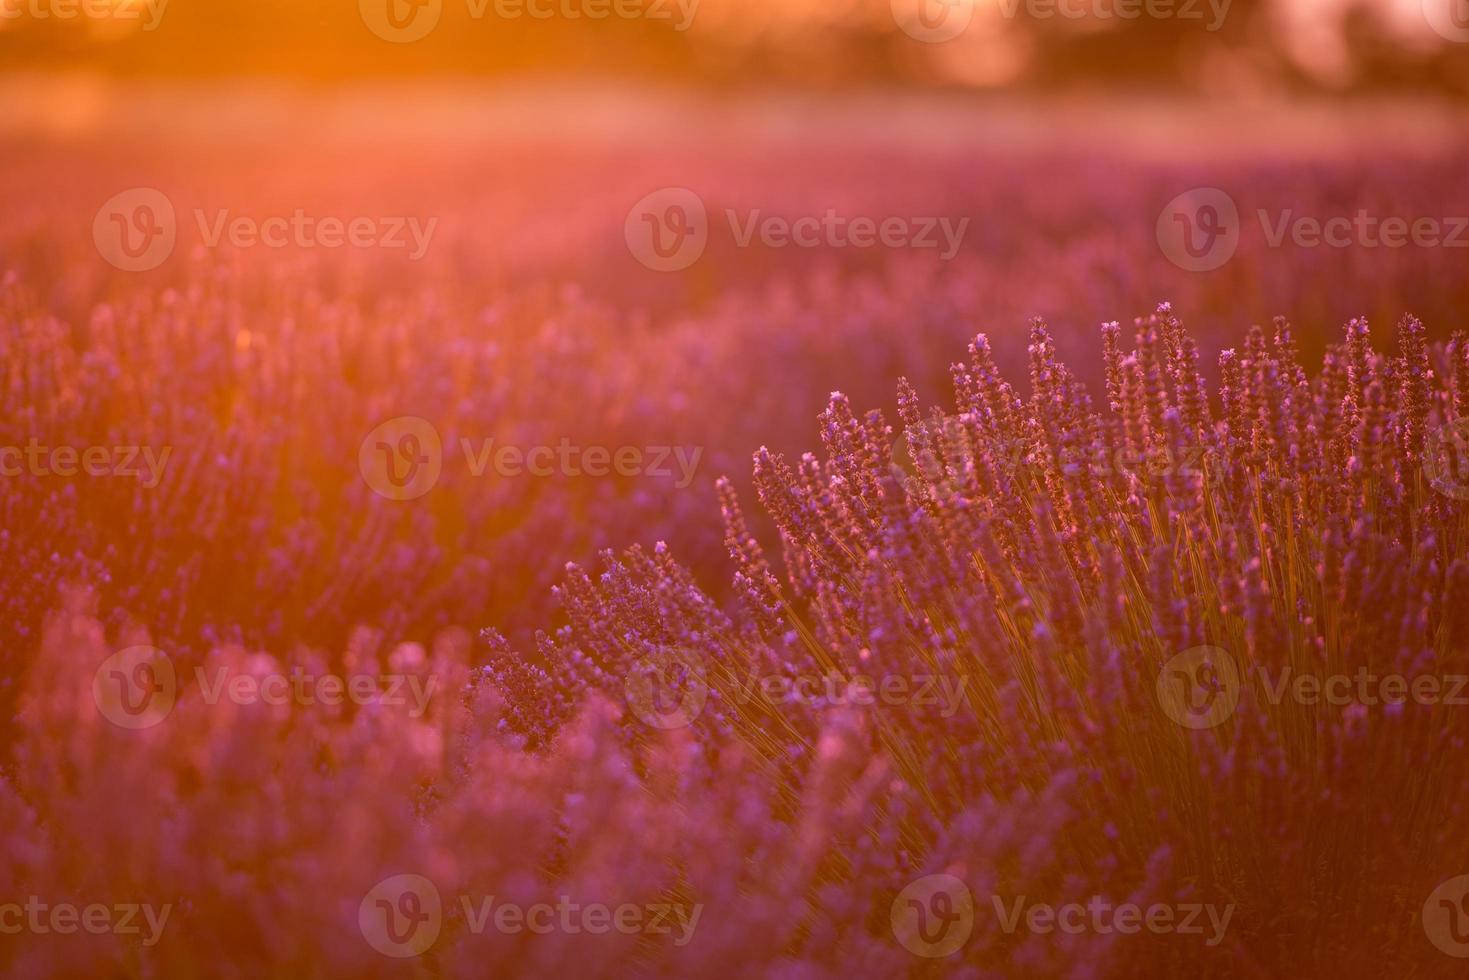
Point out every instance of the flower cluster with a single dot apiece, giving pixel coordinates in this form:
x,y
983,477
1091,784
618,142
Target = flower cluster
x,y
1322,534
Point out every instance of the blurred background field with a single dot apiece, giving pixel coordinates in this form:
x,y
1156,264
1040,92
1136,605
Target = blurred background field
x,y
528,318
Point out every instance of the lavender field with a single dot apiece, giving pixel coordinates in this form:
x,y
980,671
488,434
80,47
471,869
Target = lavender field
x,y
923,540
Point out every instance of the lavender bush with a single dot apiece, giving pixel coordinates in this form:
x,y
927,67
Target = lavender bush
x,y
1148,663
1320,532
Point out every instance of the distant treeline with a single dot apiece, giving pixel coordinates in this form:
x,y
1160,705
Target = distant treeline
x,y
1208,45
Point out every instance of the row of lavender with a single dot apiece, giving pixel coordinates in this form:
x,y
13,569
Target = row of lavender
x,y
1046,602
